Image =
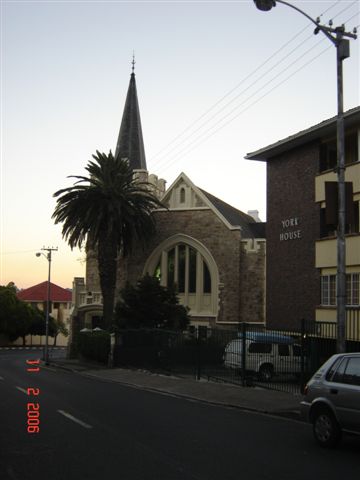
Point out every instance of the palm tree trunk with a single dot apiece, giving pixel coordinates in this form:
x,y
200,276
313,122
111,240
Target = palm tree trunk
x,y
107,261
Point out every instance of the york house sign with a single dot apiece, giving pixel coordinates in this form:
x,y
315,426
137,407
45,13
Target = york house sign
x,y
290,229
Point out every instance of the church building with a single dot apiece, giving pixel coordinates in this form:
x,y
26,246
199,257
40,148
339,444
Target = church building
x,y
214,253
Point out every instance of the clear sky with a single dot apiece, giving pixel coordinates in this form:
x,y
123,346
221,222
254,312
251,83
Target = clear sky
x,y
215,80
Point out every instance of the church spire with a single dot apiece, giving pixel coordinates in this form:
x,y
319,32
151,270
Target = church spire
x,y
130,142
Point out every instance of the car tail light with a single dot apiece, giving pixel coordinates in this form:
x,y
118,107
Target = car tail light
x,y
306,389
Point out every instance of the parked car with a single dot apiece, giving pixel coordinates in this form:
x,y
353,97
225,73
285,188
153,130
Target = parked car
x,y
332,399
267,354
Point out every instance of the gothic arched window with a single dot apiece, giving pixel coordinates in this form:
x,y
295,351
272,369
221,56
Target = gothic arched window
x,y
191,268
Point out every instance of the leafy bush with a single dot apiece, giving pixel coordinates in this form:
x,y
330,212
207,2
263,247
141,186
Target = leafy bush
x,y
94,345
150,305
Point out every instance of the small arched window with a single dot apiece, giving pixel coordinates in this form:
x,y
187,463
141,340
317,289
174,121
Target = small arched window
x,y
182,195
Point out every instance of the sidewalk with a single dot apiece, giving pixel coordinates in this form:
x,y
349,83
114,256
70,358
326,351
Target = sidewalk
x,y
245,398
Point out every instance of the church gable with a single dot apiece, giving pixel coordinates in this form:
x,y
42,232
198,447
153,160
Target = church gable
x,y
184,195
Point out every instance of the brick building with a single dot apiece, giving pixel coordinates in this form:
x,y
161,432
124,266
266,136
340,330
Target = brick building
x,y
301,240
214,253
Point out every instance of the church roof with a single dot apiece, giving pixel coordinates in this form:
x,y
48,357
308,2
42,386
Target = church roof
x,y
130,142
38,293
249,227
198,198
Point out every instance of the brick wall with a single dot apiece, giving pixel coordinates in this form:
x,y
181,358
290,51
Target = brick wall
x,y
252,277
293,287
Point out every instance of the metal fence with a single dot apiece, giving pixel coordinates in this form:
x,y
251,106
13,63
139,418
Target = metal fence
x,y
250,356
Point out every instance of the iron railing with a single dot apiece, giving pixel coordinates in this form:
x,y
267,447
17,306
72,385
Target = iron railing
x,y
252,355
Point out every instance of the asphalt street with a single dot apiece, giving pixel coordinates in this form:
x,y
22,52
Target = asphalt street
x,y
92,429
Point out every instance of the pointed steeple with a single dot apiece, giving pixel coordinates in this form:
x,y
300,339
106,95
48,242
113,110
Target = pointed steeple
x,y
130,142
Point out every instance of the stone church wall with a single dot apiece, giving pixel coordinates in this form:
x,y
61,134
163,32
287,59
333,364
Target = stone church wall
x,y
228,252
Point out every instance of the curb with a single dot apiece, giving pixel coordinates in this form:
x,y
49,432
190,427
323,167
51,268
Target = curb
x,y
293,415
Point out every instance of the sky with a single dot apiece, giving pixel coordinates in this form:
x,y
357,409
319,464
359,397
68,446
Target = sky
x,y
215,80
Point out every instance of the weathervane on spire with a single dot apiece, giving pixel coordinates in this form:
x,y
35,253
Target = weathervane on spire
x,y
133,62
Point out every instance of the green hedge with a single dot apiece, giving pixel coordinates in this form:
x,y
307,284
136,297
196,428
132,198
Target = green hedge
x,y
94,345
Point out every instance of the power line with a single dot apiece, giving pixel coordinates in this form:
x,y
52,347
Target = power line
x,y
200,140
186,148
261,77
159,154
183,154
230,92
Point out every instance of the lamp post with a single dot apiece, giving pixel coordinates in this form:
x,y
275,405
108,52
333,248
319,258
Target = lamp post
x,y
336,36
48,258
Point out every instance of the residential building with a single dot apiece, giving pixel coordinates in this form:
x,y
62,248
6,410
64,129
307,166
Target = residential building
x,y
301,227
214,253
60,308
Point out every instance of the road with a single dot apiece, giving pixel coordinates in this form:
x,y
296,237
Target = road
x,y
92,430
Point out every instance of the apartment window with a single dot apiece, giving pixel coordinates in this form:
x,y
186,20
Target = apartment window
x,y
329,229
328,290
328,152
355,227
326,230
352,289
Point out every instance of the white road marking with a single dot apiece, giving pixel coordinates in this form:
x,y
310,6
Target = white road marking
x,y
22,390
74,419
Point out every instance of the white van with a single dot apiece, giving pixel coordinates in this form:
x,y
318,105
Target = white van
x,y
267,354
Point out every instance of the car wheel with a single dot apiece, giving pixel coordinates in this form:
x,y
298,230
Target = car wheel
x,y
326,428
266,373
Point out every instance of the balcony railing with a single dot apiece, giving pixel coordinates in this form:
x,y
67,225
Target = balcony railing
x,y
95,298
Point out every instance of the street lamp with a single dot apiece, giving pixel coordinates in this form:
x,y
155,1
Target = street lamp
x,y
336,36
48,258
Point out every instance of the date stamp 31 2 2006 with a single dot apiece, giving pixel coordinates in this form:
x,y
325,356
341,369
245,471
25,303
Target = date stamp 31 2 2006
x,y
33,408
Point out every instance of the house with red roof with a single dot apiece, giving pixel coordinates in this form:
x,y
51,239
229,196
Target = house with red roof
x,y
60,308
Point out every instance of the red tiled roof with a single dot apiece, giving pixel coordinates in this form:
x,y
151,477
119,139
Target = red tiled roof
x,y
38,293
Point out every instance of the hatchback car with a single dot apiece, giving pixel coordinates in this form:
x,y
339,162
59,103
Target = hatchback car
x,y
332,399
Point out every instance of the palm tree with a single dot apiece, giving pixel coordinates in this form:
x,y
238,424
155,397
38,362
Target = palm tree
x,y
109,211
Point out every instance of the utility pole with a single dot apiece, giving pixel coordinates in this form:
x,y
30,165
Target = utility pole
x,y
49,251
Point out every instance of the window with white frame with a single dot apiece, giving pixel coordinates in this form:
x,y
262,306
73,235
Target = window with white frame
x,y
352,289
328,290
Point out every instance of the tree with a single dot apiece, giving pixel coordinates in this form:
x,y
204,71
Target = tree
x,y
15,315
110,211
148,304
57,327
8,303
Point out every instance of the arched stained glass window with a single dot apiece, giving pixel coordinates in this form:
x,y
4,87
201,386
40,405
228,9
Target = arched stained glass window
x,y
207,279
171,268
185,266
192,270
